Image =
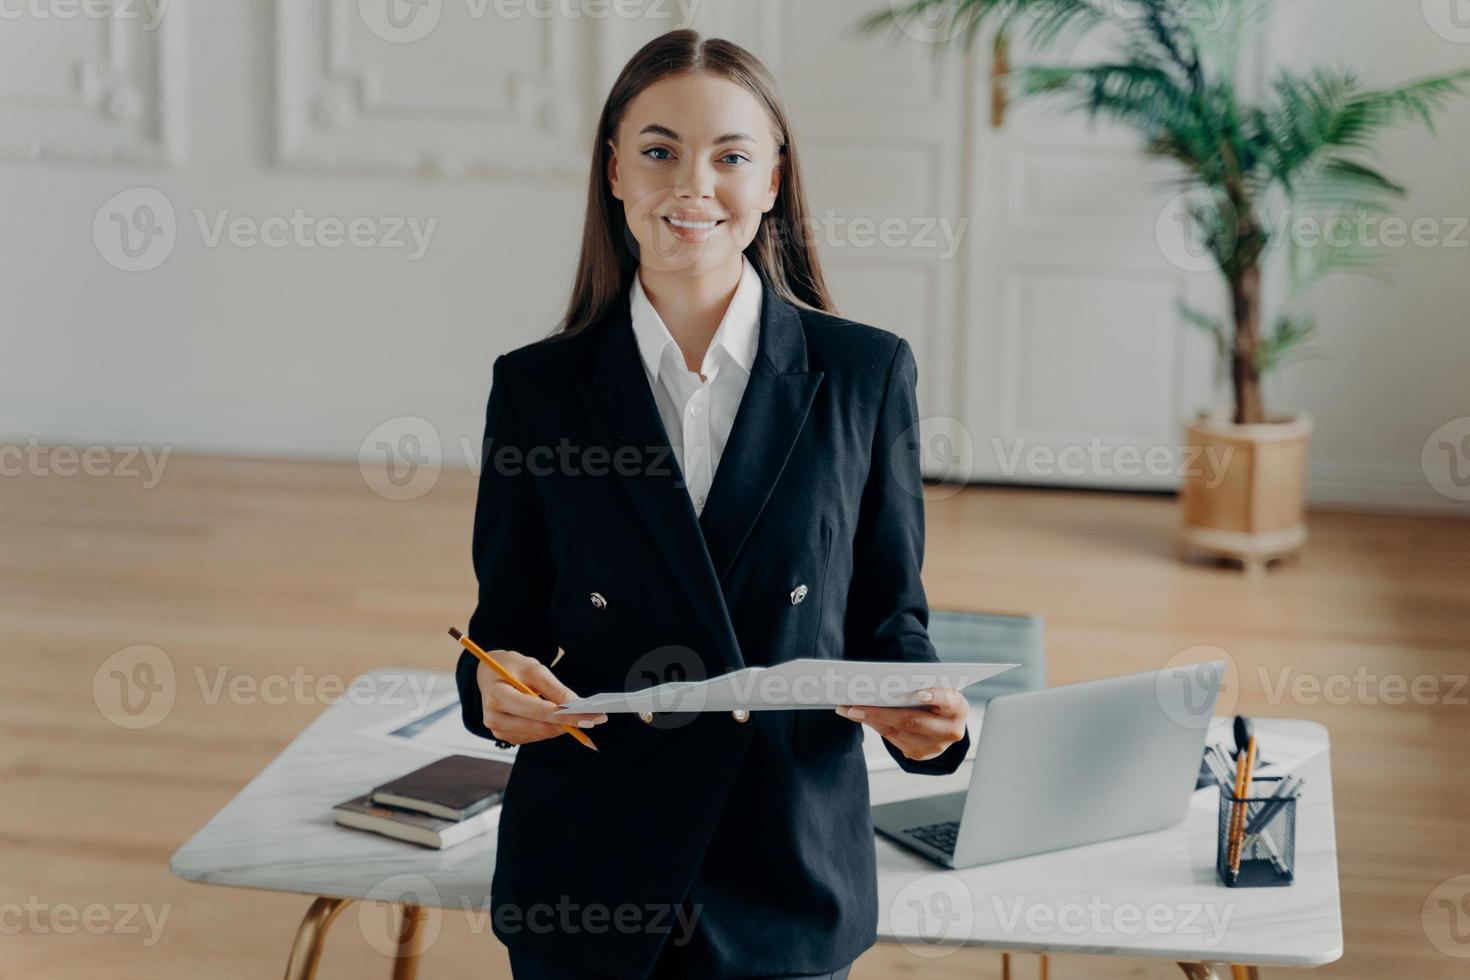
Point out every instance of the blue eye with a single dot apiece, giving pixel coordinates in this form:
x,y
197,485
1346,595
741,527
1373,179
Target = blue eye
x,y
737,156
656,149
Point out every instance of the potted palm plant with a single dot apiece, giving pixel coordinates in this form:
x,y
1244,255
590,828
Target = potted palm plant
x,y
1244,167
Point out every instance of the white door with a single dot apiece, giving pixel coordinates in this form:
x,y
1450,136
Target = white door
x,y
1078,367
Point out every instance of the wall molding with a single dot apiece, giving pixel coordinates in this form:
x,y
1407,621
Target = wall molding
x,y
125,106
335,111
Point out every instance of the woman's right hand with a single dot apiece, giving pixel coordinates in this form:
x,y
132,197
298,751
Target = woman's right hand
x,y
520,718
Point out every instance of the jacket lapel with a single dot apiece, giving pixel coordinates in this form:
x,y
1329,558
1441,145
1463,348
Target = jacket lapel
x,y
772,411
700,548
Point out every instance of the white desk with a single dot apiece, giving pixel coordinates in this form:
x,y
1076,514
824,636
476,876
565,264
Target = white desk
x,y
1154,895
278,834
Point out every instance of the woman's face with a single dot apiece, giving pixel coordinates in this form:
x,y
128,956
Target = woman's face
x,y
695,164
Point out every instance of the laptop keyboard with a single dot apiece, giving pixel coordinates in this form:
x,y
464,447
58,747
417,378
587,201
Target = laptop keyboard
x,y
940,836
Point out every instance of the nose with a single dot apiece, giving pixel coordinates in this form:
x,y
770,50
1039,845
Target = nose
x,y
695,180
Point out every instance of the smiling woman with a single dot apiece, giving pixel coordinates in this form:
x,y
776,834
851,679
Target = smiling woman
x,y
687,185
696,163
791,526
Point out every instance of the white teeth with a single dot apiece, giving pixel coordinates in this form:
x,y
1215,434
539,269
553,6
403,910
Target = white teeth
x,y
696,225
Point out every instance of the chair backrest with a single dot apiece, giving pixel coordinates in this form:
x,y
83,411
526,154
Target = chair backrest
x,y
993,637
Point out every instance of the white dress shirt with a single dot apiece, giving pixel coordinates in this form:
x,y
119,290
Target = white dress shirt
x,y
698,415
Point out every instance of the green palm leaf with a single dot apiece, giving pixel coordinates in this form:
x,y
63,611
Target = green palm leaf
x,y
1306,145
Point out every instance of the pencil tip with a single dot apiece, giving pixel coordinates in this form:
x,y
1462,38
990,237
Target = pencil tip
x,y
454,632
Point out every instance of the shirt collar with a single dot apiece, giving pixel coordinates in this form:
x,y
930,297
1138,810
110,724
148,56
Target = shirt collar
x,y
738,334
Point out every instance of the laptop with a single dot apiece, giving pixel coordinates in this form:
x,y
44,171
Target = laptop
x,y
1068,766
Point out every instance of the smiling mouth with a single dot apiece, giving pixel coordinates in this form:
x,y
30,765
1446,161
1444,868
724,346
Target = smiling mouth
x,y
690,231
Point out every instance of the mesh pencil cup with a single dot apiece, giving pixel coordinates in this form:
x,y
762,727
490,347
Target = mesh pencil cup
x,y
1257,837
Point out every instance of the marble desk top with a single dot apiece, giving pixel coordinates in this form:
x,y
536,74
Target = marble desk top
x,y
1154,895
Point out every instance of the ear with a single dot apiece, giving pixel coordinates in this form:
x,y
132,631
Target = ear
x,y
775,188
612,169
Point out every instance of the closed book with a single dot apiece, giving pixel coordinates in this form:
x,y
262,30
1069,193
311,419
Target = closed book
x,y
455,787
418,828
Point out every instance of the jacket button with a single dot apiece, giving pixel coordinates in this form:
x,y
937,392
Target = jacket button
x,y
646,716
598,600
798,594
740,714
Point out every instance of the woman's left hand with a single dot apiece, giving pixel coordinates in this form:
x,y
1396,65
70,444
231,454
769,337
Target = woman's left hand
x,y
921,732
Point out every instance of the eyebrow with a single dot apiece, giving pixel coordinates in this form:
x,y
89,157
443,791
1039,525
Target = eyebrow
x,y
666,131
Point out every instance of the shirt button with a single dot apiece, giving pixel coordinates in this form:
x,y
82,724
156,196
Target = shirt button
x,y
693,409
699,500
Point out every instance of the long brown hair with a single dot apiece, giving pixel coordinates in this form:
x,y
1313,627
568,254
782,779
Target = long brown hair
x,y
781,250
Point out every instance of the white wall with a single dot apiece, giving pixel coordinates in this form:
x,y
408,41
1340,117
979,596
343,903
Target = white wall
x,y
266,350
1397,355
481,127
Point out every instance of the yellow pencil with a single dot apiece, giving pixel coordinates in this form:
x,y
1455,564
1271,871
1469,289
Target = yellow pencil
x,y
514,681
1238,810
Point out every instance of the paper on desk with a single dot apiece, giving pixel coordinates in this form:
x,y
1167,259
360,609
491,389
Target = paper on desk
x,y
438,729
1278,754
812,682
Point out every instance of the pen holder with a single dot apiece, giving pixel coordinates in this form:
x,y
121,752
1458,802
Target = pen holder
x,y
1262,829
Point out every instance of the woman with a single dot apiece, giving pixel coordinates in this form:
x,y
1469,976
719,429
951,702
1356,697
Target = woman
x,y
703,469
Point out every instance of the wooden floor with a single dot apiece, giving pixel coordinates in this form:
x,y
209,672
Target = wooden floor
x,y
259,569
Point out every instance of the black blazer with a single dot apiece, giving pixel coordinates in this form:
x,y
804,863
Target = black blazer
x,y
762,826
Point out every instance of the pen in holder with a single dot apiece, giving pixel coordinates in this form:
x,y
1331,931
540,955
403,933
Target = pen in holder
x,y
1256,844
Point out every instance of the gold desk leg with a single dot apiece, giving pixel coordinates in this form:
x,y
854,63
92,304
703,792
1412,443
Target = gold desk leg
x,y
1005,966
1203,971
410,943
306,950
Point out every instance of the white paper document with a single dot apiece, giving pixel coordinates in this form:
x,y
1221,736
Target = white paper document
x,y
438,729
812,682
1277,755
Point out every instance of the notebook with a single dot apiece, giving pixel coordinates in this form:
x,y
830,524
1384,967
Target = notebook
x,y
418,828
453,788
